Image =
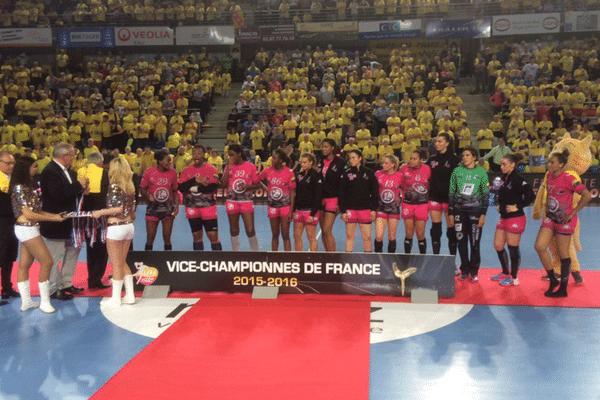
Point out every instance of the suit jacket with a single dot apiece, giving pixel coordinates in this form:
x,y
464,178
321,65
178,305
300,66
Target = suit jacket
x,y
58,195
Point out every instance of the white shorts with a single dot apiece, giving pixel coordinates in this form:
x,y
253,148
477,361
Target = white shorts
x,y
25,233
120,232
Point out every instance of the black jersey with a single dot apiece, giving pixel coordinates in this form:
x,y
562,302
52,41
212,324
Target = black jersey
x,y
359,190
442,165
514,191
331,174
309,191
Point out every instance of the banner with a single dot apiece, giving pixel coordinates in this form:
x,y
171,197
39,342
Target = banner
x,y
340,30
144,36
291,272
267,34
581,21
32,37
377,30
92,37
459,29
526,24
204,35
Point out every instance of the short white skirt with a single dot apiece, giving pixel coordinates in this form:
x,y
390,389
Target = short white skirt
x,y
120,232
25,233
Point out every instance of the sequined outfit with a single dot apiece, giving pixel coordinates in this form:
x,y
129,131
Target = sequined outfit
x,y
24,197
122,230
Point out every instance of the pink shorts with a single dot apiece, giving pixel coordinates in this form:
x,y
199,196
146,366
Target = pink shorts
x,y
358,216
279,212
567,229
384,215
330,204
514,225
204,213
239,207
435,206
301,217
418,212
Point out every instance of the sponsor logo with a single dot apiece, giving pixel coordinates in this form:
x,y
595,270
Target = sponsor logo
x,y
502,25
239,186
550,23
276,193
387,196
145,274
161,194
80,37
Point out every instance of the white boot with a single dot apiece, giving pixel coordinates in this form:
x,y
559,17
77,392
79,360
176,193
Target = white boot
x,y
129,294
45,305
25,290
115,300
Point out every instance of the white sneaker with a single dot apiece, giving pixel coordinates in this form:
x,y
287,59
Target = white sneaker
x,y
47,308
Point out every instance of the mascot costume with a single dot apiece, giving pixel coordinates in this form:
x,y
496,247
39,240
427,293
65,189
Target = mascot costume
x,y
580,159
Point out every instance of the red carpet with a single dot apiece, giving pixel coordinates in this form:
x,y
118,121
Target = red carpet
x,y
244,349
529,293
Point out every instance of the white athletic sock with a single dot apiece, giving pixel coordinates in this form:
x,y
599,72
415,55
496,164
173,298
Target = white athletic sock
x,y
235,243
253,243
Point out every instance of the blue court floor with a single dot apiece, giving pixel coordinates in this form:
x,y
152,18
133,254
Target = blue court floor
x,y
439,352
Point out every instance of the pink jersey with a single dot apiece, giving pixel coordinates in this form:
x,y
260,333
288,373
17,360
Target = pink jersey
x,y
389,191
240,177
196,199
160,185
279,185
560,194
415,184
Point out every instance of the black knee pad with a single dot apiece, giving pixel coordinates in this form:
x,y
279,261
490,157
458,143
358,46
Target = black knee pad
x,y
436,231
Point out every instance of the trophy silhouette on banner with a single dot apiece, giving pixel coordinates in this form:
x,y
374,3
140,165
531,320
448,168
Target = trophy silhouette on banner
x,y
402,275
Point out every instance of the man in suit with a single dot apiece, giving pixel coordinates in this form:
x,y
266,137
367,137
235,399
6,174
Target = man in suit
x,y
9,244
60,191
95,199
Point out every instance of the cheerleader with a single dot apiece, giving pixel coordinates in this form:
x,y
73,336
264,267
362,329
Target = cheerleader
x,y
159,185
331,168
561,219
388,212
415,190
358,198
281,189
442,164
513,195
27,207
309,192
120,202
240,179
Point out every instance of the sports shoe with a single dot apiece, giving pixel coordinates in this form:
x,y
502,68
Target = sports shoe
x,y
456,271
509,281
474,279
463,277
547,278
499,277
577,277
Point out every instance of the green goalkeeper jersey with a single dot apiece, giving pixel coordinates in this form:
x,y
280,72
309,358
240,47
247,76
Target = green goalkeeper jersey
x,y
469,188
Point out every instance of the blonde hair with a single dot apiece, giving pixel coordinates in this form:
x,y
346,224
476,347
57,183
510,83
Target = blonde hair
x,y
120,174
394,160
310,157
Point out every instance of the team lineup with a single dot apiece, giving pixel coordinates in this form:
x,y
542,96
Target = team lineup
x,y
443,186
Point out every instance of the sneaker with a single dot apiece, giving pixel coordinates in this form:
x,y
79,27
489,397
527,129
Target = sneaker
x,y
456,271
577,277
500,277
547,278
463,277
509,281
474,279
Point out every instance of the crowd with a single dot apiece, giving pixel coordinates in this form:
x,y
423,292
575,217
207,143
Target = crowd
x,y
540,91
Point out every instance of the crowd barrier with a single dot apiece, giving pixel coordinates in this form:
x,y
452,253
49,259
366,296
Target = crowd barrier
x,y
293,272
